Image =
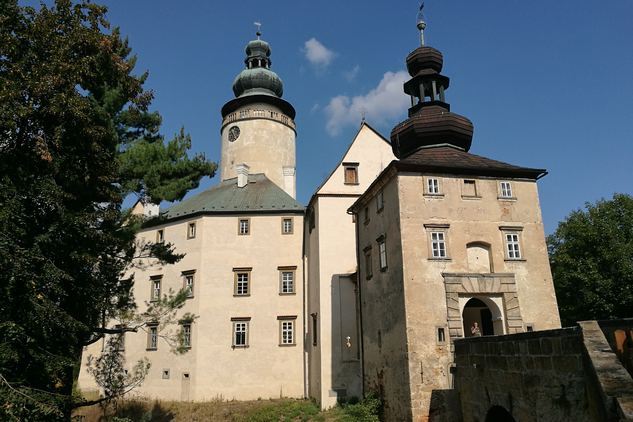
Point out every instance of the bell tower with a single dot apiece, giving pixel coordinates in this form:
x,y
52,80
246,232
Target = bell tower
x,y
258,127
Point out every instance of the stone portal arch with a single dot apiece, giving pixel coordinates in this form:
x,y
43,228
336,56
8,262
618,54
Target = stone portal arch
x,y
485,311
498,414
497,291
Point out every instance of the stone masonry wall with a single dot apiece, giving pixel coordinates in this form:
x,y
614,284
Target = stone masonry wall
x,y
535,376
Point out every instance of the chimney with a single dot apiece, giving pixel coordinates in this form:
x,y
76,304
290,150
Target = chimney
x,y
289,180
242,174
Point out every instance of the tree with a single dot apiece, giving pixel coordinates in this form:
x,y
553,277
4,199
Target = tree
x,y
591,256
76,137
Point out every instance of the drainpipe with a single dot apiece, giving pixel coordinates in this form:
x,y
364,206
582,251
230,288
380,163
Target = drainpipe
x,y
305,350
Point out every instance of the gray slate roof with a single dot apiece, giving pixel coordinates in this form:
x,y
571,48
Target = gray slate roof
x,y
259,195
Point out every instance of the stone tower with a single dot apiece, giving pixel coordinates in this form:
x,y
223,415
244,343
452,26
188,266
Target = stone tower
x,y
258,127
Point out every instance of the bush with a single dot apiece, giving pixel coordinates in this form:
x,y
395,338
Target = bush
x,y
368,410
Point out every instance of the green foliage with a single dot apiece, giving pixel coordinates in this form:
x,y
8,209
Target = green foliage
x,y
75,139
368,410
591,256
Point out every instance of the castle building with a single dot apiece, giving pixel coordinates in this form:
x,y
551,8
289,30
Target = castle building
x,y
243,267
405,246
450,245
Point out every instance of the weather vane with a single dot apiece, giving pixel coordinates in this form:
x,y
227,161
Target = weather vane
x,y
421,24
362,111
259,27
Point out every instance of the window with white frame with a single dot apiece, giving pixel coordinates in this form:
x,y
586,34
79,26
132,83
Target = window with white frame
x,y
155,282
191,230
188,282
240,331
506,189
438,245
286,225
186,335
512,246
382,253
244,226
242,285
286,330
432,186
379,201
287,280
152,337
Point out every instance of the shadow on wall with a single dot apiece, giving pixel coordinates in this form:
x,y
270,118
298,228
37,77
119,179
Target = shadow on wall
x,y
499,414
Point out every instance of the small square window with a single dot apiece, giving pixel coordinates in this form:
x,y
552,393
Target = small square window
x,y
242,282
166,374
152,337
240,332
244,226
368,263
188,282
156,287
191,230
186,335
287,330
287,280
379,201
432,186
506,189
286,225
160,236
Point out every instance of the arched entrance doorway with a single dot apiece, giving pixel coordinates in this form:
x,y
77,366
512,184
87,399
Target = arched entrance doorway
x,y
486,313
499,414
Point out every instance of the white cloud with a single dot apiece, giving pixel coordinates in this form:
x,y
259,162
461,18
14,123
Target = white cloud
x,y
314,108
351,75
384,103
317,54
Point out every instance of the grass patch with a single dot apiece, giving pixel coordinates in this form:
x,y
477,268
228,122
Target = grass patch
x,y
273,410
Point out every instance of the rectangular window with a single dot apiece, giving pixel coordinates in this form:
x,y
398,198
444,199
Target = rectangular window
x,y
240,331
512,244
366,215
155,284
242,281
351,173
438,245
186,335
470,189
314,328
441,335
120,339
152,337
287,330
191,230
379,201
188,282
432,186
287,282
506,190
382,253
368,263
244,226
160,236
286,225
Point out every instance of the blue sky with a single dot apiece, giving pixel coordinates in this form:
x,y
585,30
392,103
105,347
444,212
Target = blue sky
x,y
546,84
